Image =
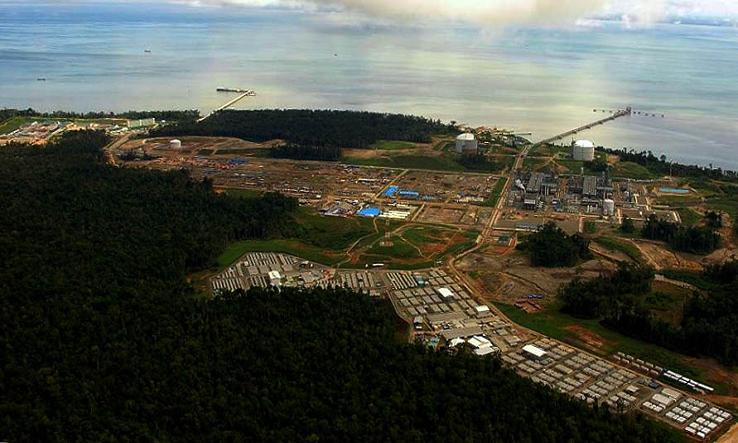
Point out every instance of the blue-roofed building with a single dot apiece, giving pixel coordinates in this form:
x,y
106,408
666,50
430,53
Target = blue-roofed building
x,y
369,212
391,191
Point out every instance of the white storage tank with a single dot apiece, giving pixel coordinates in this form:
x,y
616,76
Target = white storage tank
x,y
466,143
175,144
608,207
583,150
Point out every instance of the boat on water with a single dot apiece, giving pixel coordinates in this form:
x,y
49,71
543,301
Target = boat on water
x,y
148,51
240,91
41,79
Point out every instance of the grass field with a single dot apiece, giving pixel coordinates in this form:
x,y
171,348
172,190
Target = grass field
x,y
243,193
494,196
417,247
391,145
313,237
632,170
294,247
440,163
14,123
694,278
590,227
563,327
535,163
443,162
689,216
399,249
614,244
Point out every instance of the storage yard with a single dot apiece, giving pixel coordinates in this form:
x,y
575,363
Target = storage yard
x,y
445,314
333,188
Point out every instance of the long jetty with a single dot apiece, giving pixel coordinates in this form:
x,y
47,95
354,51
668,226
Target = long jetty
x,y
622,113
229,104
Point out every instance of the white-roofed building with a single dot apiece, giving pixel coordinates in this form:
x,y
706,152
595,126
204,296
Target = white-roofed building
x,y
534,351
446,293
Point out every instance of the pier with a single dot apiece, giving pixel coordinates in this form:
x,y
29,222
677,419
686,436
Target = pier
x,y
229,104
621,113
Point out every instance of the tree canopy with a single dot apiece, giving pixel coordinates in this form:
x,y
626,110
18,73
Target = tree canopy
x,y
103,339
692,239
329,128
552,247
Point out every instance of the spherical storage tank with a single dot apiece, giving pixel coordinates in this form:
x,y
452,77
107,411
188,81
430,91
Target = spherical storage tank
x,y
175,144
583,150
466,142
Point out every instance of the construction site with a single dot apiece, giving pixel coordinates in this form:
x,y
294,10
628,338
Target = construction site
x,y
444,314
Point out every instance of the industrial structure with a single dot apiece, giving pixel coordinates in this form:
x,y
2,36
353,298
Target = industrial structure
x,y
466,143
583,150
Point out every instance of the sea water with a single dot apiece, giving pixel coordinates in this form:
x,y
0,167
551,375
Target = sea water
x,y
545,81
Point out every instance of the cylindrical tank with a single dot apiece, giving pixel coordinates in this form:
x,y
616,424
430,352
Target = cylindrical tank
x,y
608,207
583,150
175,144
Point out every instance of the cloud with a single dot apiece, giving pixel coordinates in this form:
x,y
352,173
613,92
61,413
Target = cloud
x,y
469,11
491,12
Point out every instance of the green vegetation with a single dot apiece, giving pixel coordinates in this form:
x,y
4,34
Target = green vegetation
x,y
391,145
603,341
694,278
104,340
13,123
689,216
535,163
693,239
627,226
21,117
407,249
399,249
659,166
445,162
305,152
407,162
707,324
325,128
309,235
551,247
632,170
590,227
496,194
626,248
243,193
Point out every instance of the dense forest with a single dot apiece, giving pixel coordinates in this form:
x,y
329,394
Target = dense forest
x,y
159,115
693,239
104,340
709,321
551,247
343,129
661,165
305,152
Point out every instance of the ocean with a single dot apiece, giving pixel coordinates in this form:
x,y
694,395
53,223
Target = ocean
x,y
543,81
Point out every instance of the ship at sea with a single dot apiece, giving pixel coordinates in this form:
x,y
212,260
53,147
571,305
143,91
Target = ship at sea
x,y
240,91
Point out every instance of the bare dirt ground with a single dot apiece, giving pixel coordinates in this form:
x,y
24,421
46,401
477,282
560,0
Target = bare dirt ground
x,y
608,254
223,144
731,436
420,148
588,338
661,258
510,277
